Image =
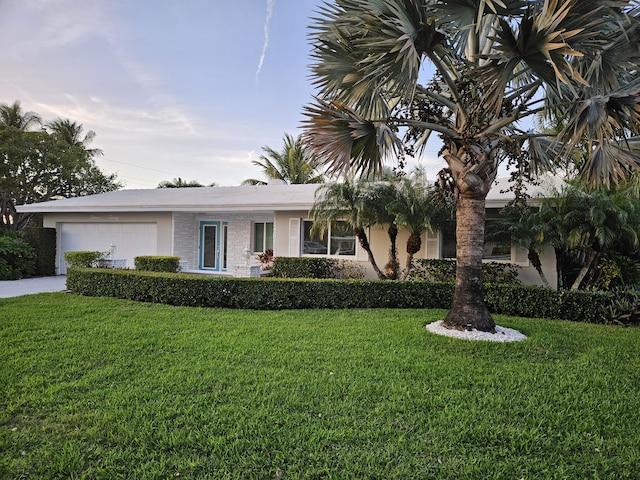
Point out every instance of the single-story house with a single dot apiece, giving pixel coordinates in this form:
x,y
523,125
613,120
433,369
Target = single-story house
x,y
220,230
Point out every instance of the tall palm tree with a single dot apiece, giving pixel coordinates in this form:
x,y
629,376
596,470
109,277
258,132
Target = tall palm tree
x,y
294,164
71,133
14,116
496,63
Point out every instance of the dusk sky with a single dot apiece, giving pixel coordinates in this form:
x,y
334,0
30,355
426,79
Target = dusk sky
x,y
172,88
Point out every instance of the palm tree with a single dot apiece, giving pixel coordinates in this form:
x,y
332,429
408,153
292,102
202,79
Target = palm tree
x,y
496,63
360,204
13,116
293,165
419,207
180,183
70,132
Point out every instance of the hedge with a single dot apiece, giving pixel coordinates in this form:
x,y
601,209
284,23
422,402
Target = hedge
x,y
308,267
153,263
43,242
278,294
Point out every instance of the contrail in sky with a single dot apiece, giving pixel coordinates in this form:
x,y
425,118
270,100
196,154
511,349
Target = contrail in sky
x,y
270,4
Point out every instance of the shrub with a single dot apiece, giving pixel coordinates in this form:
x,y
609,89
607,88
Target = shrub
x,y
279,293
154,263
349,269
17,258
84,258
440,270
624,308
304,267
43,242
266,259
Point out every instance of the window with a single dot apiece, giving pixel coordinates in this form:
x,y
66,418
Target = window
x,y
262,236
495,248
338,240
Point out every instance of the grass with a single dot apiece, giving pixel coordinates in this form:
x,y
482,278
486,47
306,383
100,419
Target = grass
x,y
100,388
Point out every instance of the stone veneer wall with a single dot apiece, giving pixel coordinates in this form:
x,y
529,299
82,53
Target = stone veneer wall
x,y
186,233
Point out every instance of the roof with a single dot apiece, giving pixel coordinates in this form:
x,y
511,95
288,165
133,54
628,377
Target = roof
x,y
245,198
195,199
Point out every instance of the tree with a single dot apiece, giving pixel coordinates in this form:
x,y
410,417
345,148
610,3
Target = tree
x,y
13,116
180,183
346,202
419,207
70,132
496,63
37,166
294,164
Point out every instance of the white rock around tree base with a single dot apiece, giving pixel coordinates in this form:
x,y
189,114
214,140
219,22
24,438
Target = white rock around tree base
x,y
502,334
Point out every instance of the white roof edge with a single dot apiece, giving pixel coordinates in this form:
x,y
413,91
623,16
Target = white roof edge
x,y
269,198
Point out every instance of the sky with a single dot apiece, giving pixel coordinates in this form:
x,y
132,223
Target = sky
x,y
172,88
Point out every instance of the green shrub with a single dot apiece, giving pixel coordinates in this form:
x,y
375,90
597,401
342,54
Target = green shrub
x,y
153,263
84,258
624,308
43,242
17,258
348,269
441,270
279,293
303,267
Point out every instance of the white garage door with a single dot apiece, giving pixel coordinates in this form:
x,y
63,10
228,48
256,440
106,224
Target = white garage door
x,y
130,239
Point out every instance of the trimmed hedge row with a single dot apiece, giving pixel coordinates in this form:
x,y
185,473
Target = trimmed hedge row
x,y
307,267
155,263
279,294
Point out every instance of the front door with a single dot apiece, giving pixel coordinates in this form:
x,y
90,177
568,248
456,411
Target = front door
x,y
213,246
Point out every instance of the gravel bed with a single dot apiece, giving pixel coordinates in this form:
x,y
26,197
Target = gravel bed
x,y
502,334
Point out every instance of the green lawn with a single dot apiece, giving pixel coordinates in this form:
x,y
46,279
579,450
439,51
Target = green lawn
x,y
101,388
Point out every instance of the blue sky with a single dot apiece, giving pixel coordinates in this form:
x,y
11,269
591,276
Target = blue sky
x,y
172,88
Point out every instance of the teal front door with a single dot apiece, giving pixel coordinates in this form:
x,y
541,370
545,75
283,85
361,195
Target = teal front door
x,y
213,246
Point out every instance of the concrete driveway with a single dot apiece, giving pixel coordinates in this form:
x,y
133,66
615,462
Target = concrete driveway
x,y
28,286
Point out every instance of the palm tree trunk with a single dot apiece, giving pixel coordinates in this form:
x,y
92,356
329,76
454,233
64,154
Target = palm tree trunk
x,y
583,271
393,267
364,243
534,258
414,243
468,309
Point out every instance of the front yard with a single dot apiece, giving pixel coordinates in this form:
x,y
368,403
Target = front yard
x,y
102,388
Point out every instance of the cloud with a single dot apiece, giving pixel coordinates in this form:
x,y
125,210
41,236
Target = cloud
x,y
265,45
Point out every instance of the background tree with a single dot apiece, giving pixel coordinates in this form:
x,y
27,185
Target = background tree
x,y
71,133
496,64
293,165
180,183
37,166
14,116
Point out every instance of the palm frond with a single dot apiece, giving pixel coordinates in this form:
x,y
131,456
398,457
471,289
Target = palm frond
x,y
347,141
371,51
612,162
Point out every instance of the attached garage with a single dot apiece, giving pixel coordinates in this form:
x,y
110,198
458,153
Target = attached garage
x,y
130,239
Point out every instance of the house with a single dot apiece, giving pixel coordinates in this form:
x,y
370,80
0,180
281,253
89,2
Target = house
x,y
220,230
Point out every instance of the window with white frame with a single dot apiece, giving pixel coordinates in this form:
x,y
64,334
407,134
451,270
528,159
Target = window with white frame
x,y
262,236
339,240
